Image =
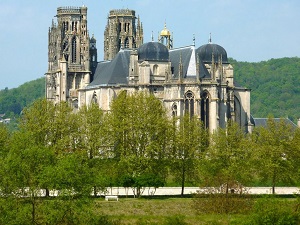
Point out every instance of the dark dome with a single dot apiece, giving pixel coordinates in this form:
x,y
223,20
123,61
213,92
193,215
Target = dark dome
x,y
205,53
93,39
153,51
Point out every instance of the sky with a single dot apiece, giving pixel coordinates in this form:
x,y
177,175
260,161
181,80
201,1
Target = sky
x,y
249,30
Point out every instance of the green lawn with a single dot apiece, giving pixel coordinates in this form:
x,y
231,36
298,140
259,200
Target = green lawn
x,y
160,211
241,210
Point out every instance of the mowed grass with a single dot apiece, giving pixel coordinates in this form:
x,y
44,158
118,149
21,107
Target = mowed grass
x,y
159,211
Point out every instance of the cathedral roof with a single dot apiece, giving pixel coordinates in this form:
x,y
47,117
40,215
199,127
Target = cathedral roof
x,y
153,51
113,72
262,122
116,71
188,60
206,52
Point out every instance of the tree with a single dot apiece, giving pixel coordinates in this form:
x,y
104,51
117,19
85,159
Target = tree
x,y
93,131
139,135
37,122
5,141
276,153
226,163
25,165
189,143
93,135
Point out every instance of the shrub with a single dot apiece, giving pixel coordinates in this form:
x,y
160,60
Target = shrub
x,y
175,220
275,211
214,201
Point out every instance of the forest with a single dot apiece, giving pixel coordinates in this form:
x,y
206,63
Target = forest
x,y
136,146
272,84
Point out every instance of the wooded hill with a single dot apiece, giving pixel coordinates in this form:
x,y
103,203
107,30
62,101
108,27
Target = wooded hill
x,y
12,101
275,86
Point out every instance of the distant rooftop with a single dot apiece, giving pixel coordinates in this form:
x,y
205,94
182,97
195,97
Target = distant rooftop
x,y
262,122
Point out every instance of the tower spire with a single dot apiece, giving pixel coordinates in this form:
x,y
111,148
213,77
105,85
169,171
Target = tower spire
x,y
194,40
209,40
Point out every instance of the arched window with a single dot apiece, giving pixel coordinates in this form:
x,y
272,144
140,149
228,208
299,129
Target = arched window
x,y
75,104
205,109
189,101
237,111
126,43
174,110
74,49
94,98
155,70
119,45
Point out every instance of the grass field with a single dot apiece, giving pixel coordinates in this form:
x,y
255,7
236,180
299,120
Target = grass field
x,y
202,210
160,211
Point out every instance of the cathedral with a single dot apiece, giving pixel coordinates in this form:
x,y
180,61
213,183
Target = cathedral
x,y
194,80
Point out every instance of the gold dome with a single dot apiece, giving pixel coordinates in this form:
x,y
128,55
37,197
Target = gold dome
x,y
165,32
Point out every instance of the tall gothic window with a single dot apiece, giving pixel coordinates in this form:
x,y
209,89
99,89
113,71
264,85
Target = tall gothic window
x,y
94,98
119,45
237,111
75,103
189,101
174,110
74,49
205,109
155,69
77,82
126,43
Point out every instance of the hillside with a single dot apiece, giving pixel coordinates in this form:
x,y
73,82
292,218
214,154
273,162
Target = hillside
x,y
12,101
275,86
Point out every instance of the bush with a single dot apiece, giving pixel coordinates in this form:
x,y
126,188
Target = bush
x,y
275,211
175,220
212,201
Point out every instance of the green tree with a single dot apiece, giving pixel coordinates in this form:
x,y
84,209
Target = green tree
x,y
139,134
227,161
189,143
93,131
275,153
5,142
37,122
24,166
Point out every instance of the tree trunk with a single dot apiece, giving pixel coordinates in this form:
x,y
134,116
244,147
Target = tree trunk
x,y
95,191
273,182
47,192
182,180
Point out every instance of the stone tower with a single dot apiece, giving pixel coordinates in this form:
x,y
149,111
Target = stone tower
x,y
93,57
122,32
68,55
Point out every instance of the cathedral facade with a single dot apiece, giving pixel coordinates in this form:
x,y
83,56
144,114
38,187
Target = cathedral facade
x,y
194,80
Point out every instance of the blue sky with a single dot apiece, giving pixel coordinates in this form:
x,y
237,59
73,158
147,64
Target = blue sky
x,y
249,30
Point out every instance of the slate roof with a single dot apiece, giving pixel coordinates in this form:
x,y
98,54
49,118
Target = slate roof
x,y
113,72
262,122
186,53
153,51
116,71
205,53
